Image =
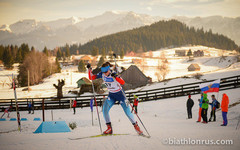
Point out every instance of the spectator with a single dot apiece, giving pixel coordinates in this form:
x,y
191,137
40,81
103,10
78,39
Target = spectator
x,y
190,104
205,102
29,107
74,106
135,104
214,106
224,106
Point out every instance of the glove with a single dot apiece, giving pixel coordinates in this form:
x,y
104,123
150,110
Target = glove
x,y
114,74
89,66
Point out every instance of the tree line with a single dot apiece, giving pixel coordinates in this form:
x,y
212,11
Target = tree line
x,y
37,63
159,35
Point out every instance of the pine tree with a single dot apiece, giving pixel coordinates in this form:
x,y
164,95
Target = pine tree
x,y
104,53
95,51
59,54
19,58
110,53
33,49
7,58
189,52
122,54
67,51
101,61
81,66
1,52
58,69
45,51
25,50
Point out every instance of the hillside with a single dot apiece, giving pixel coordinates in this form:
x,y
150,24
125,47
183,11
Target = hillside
x,y
158,35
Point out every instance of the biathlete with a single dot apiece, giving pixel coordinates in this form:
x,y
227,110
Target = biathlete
x,y
116,93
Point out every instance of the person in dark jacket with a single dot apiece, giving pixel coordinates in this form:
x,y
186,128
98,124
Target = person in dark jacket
x,y
29,107
190,104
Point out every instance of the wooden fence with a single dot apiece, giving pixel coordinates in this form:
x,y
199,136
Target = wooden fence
x,y
146,95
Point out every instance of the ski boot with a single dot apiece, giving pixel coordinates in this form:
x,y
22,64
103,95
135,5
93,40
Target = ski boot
x,y
137,128
109,129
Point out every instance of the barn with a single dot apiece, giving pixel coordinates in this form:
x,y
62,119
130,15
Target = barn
x,y
194,67
134,78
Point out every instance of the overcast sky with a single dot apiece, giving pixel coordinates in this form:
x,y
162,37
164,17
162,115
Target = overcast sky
x,y
12,11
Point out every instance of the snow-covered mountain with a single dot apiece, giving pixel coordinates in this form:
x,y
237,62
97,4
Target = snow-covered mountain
x,y
81,30
71,30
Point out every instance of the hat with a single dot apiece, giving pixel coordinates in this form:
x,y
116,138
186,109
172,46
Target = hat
x,y
189,96
105,69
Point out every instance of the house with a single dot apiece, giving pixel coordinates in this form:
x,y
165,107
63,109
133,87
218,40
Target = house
x,y
85,85
82,81
137,61
198,53
194,67
131,54
134,78
180,52
86,59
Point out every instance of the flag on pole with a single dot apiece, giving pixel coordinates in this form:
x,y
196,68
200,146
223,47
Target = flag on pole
x,y
91,104
210,87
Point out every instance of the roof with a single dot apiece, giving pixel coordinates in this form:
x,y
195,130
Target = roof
x,y
86,57
83,80
196,66
134,75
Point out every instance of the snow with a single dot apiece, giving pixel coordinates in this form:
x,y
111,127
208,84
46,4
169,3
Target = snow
x,y
5,28
164,119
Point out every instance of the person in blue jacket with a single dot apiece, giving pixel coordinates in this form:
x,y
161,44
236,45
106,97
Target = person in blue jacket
x,y
213,106
114,85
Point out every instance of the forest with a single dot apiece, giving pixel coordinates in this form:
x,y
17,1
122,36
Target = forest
x,y
159,35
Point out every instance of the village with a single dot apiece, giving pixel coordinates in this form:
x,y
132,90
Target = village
x,y
140,69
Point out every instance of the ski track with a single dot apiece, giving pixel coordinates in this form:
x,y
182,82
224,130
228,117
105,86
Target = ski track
x,y
163,119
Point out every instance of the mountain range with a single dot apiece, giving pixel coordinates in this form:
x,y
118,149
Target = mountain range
x,y
81,30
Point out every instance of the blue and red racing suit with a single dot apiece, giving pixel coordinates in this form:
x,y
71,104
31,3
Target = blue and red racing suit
x,y
116,93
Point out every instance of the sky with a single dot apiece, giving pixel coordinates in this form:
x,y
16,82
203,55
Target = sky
x,y
12,11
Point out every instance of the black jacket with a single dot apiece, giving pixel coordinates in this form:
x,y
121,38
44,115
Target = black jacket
x,y
190,103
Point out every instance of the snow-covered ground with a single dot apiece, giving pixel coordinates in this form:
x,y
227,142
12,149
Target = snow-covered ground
x,y
164,119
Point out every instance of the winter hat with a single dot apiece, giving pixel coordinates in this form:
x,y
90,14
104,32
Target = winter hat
x,y
189,96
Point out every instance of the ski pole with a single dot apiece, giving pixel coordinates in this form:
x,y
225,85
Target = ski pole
x,y
115,61
139,119
96,105
129,102
238,123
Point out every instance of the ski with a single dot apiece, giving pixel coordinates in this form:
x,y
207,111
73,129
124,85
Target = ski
x,y
143,135
103,135
95,136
